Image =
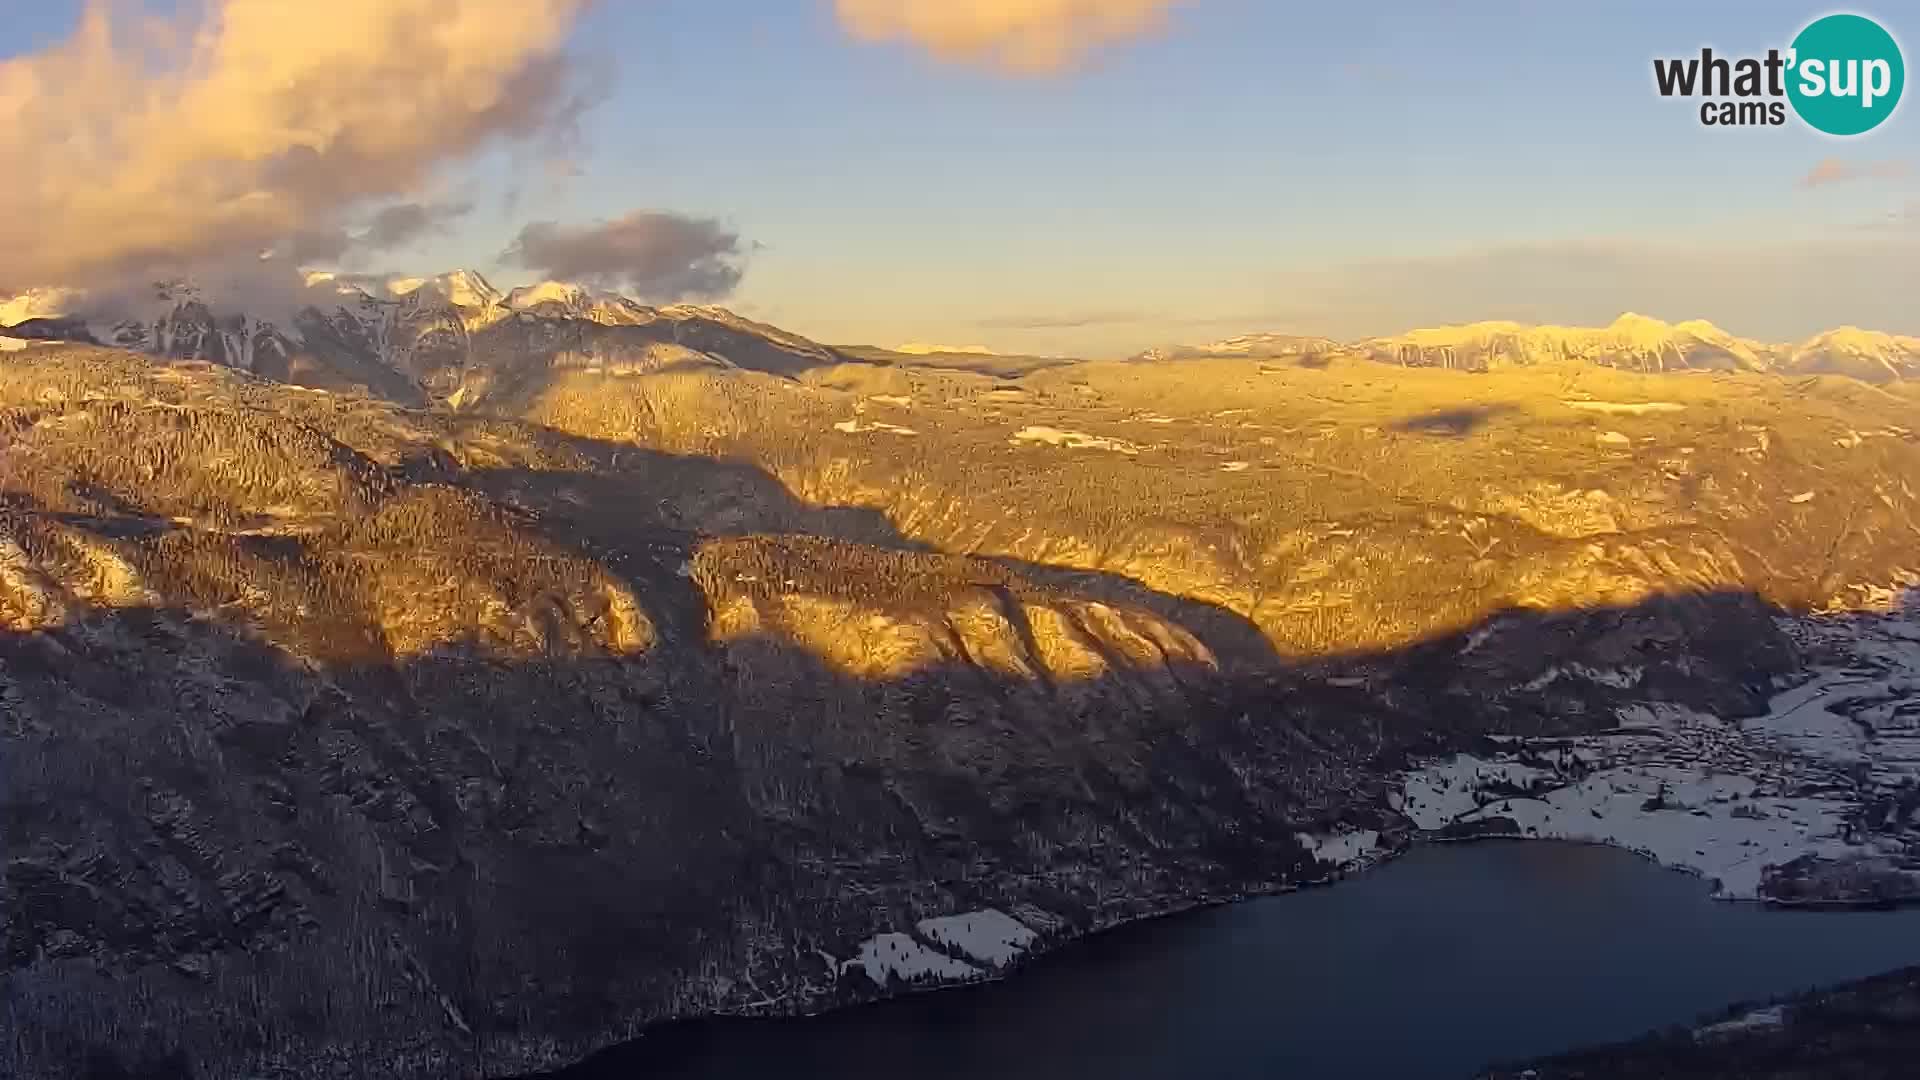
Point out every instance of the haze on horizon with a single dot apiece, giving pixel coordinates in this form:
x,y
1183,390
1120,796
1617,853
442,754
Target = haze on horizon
x,y
1046,176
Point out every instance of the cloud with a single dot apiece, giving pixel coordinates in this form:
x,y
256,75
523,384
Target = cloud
x,y
402,223
311,246
651,254
142,148
272,289
1023,36
1840,171
1065,321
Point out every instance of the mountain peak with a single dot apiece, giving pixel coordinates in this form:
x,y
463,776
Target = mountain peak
x,y
1857,338
462,288
546,292
1634,322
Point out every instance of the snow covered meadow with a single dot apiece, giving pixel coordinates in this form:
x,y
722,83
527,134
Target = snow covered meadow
x,y
1825,787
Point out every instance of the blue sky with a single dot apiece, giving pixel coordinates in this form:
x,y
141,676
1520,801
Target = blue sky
x,y
1343,169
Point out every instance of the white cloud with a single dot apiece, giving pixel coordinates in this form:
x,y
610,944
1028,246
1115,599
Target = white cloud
x,y
139,148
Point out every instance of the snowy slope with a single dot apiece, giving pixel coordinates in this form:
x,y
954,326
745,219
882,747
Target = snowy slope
x,y
1632,341
1864,354
416,339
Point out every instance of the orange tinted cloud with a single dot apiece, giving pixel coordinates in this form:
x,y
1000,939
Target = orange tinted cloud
x,y
1840,171
138,147
1025,36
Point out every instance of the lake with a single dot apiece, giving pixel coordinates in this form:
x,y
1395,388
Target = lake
x,y
1433,965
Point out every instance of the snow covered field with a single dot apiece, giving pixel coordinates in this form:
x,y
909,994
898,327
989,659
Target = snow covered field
x,y
1830,775
1345,849
985,937
886,956
988,936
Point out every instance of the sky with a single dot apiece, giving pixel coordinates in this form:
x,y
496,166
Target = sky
x,y
1052,176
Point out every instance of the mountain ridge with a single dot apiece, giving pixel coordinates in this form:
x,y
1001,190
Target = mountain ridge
x,y
1632,341
450,338
445,337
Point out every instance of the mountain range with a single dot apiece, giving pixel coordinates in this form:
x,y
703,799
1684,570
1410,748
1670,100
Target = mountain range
x,y
1632,342
455,338
450,338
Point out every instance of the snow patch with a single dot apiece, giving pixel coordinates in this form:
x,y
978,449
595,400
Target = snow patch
x,y
1618,678
1342,848
887,956
1772,1016
1449,791
1072,440
988,936
855,427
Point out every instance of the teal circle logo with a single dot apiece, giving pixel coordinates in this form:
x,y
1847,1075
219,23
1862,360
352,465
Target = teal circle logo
x,y
1846,74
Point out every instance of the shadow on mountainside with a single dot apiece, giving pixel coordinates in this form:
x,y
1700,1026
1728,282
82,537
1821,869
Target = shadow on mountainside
x,y
229,858
648,521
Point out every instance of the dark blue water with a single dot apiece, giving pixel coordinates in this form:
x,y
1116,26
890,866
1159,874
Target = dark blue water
x,y
1432,966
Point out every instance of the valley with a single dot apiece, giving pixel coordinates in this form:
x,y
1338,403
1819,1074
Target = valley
x,y
546,667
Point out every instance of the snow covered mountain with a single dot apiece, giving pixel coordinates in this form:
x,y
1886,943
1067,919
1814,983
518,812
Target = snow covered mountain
x,y
1633,342
1262,346
457,338
1864,354
453,337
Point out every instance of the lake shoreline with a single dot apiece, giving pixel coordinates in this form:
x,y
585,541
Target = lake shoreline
x,y
692,1042
1730,803
1053,944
